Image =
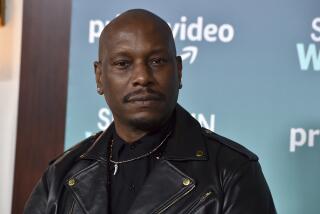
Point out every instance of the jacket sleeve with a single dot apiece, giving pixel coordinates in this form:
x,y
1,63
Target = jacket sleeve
x,y
246,191
37,202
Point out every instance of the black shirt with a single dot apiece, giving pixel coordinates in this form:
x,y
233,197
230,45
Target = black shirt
x,y
130,176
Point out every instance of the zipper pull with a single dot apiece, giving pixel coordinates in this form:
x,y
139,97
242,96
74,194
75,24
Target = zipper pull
x,y
206,195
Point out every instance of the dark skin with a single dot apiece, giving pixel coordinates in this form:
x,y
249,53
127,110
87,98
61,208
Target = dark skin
x,y
138,72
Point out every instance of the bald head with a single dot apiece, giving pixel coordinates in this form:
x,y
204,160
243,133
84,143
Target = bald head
x,y
138,72
139,20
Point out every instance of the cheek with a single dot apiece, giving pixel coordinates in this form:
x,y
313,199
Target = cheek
x,y
112,92
169,80
115,88
110,82
109,88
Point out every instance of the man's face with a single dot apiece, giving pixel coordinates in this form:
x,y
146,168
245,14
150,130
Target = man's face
x,y
140,75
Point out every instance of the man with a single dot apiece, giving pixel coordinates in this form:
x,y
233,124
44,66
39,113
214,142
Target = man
x,y
154,158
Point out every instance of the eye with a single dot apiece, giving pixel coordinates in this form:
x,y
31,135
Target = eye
x,y
121,64
158,61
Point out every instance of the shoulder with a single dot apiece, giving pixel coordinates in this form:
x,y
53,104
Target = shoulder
x,y
228,147
64,163
231,159
75,151
51,182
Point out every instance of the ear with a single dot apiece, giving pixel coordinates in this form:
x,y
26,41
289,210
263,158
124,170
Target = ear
x,y
98,73
179,66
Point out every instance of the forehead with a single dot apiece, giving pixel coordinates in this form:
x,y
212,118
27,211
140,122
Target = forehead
x,y
141,36
138,37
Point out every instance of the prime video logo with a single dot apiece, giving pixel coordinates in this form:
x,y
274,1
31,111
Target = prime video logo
x,y
301,137
183,30
309,54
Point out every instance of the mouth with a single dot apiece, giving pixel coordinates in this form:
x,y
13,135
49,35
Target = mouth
x,y
144,98
148,98
145,101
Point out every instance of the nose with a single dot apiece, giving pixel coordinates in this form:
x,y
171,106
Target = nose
x,y
142,75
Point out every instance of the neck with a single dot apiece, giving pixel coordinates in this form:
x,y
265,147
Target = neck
x,y
129,134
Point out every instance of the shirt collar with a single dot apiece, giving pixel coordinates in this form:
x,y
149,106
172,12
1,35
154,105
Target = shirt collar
x,y
186,142
121,150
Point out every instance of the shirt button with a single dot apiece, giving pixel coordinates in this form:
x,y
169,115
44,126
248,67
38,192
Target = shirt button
x,y
132,146
132,188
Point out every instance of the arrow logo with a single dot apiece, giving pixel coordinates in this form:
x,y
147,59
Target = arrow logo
x,y
189,51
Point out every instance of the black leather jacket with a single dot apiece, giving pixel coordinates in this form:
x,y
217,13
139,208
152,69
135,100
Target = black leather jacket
x,y
200,172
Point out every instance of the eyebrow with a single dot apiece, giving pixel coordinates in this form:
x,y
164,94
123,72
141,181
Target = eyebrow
x,y
125,52
160,50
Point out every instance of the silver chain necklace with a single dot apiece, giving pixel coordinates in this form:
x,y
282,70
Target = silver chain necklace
x,y
116,163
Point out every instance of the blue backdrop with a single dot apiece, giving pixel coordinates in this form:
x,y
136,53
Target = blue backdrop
x,y
251,73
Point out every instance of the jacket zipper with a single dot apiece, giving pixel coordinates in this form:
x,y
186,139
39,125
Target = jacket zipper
x,y
175,200
72,207
200,201
205,196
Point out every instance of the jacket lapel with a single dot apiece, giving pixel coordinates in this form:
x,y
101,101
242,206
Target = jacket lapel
x,y
89,187
168,183
89,184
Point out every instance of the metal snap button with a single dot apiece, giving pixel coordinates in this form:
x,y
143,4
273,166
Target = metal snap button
x,y
186,181
71,182
199,153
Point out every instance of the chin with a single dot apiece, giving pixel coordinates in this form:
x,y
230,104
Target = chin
x,y
147,123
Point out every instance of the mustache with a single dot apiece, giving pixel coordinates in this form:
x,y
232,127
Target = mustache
x,y
143,94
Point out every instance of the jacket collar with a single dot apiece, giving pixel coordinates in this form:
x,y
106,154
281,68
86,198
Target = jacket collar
x,y
186,142
99,148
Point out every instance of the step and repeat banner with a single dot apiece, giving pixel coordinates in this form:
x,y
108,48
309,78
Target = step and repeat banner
x,y
251,73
